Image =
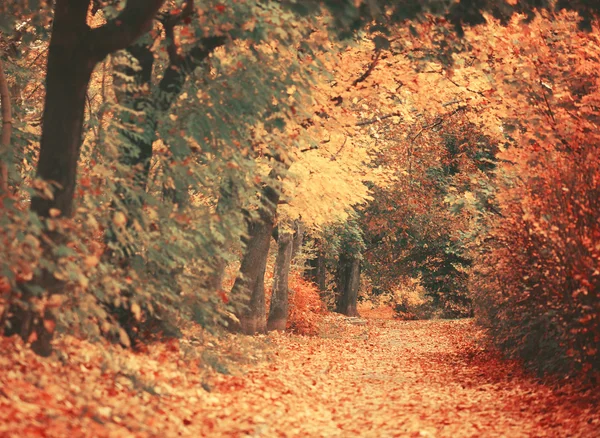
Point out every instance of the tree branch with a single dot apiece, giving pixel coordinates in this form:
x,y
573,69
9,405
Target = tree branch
x,y
438,122
6,128
169,20
177,72
366,74
133,21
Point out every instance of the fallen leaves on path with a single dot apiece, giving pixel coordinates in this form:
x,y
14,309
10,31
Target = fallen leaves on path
x,y
379,378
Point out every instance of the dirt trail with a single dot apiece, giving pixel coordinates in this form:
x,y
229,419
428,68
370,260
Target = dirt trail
x,y
393,378
382,378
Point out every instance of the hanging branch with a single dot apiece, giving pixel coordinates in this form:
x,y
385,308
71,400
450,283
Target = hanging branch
x,y
6,128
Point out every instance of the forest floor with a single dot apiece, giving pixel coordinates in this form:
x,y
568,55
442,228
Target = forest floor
x,y
366,378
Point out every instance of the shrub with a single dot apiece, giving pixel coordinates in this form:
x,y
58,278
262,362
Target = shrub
x,y
306,307
410,301
536,284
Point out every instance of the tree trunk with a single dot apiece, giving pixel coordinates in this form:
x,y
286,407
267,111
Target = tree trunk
x,y
6,130
298,238
348,284
69,69
251,278
278,311
317,270
70,65
74,51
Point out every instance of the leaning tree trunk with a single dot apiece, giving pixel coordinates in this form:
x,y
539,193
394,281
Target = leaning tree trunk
x,y
74,51
278,311
251,278
348,284
5,130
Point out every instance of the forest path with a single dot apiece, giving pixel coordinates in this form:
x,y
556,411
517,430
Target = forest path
x,y
367,378
402,379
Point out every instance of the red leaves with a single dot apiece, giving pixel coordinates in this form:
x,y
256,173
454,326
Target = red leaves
x,y
387,377
306,307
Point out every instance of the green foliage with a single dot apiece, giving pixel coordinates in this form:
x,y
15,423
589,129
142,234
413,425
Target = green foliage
x,y
148,230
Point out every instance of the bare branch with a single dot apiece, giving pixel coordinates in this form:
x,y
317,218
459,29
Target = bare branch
x,y
480,93
334,156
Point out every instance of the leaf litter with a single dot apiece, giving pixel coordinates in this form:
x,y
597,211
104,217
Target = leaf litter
x,y
380,378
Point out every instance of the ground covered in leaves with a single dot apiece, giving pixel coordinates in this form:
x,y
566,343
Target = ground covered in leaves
x,y
369,378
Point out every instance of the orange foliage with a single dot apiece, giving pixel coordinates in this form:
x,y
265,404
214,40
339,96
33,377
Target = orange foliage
x,y
366,310
382,379
306,307
538,285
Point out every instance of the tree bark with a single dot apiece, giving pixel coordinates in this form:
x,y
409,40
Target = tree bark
x,y
348,284
254,263
278,311
317,269
6,129
74,51
298,238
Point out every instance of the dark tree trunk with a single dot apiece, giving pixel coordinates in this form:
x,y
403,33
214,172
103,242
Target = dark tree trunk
x,y
73,52
298,238
278,311
5,130
317,270
348,282
70,66
254,262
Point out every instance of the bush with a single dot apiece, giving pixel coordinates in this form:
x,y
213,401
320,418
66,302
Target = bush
x,y
306,307
410,301
536,284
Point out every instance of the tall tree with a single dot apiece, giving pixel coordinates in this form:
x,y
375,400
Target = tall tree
x,y
251,278
278,310
74,50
